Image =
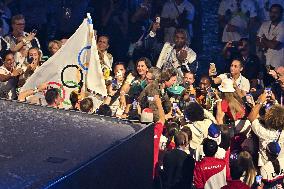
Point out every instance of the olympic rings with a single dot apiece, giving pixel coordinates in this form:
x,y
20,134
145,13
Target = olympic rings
x,y
73,83
62,91
79,58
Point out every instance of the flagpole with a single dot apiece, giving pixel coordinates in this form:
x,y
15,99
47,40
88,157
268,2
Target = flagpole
x,y
90,38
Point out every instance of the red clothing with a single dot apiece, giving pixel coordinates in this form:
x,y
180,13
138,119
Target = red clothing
x,y
227,160
158,130
210,173
236,184
227,111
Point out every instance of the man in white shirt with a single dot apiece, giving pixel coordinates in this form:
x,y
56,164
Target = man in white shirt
x,y
8,77
270,37
174,10
174,56
241,84
242,15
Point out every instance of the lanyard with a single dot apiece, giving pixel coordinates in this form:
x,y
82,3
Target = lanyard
x,y
270,27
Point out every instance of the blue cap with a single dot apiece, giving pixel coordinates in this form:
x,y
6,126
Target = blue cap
x,y
214,131
273,148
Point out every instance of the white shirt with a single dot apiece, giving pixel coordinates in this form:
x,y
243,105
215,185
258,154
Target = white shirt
x,y
169,54
199,132
268,173
170,11
266,136
265,5
273,57
168,59
242,82
239,19
108,60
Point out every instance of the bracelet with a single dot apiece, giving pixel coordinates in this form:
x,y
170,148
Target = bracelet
x,y
122,93
261,103
219,100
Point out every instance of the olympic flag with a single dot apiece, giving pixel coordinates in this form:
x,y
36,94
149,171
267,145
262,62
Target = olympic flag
x,y
76,65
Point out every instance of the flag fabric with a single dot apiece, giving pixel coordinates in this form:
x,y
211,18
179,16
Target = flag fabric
x,y
75,66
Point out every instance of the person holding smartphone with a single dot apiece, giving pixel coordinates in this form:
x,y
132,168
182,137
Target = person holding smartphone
x,y
28,39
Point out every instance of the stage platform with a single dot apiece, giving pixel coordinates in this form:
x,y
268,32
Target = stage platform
x,y
42,147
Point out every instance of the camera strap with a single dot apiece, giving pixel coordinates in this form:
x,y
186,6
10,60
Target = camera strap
x,y
279,134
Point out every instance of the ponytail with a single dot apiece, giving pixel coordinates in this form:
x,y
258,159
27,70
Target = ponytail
x,y
276,166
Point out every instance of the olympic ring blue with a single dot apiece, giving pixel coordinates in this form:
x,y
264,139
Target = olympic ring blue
x,y
79,58
90,21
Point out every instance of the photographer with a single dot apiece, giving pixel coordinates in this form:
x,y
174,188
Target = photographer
x,y
205,94
268,127
9,76
114,86
18,26
178,55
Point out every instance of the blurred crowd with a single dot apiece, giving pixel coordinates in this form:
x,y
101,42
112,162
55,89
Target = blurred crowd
x,y
218,130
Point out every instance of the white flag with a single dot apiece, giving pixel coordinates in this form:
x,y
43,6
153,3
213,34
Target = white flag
x,y
95,80
68,68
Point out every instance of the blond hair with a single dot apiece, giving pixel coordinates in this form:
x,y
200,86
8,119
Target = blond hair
x,y
246,163
53,42
235,104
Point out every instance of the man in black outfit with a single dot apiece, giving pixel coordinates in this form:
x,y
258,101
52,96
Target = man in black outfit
x,y
176,175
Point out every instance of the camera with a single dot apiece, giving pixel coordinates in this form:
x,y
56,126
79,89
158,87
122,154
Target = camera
x,y
34,31
268,91
30,59
114,85
269,67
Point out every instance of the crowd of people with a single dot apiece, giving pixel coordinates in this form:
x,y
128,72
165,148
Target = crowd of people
x,y
218,130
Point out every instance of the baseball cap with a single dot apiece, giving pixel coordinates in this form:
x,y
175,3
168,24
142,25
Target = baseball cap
x,y
214,133
147,116
273,148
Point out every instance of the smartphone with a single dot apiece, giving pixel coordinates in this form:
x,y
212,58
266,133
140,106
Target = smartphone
x,y
175,105
235,44
213,68
34,31
158,19
250,99
258,179
269,67
268,91
30,59
150,98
